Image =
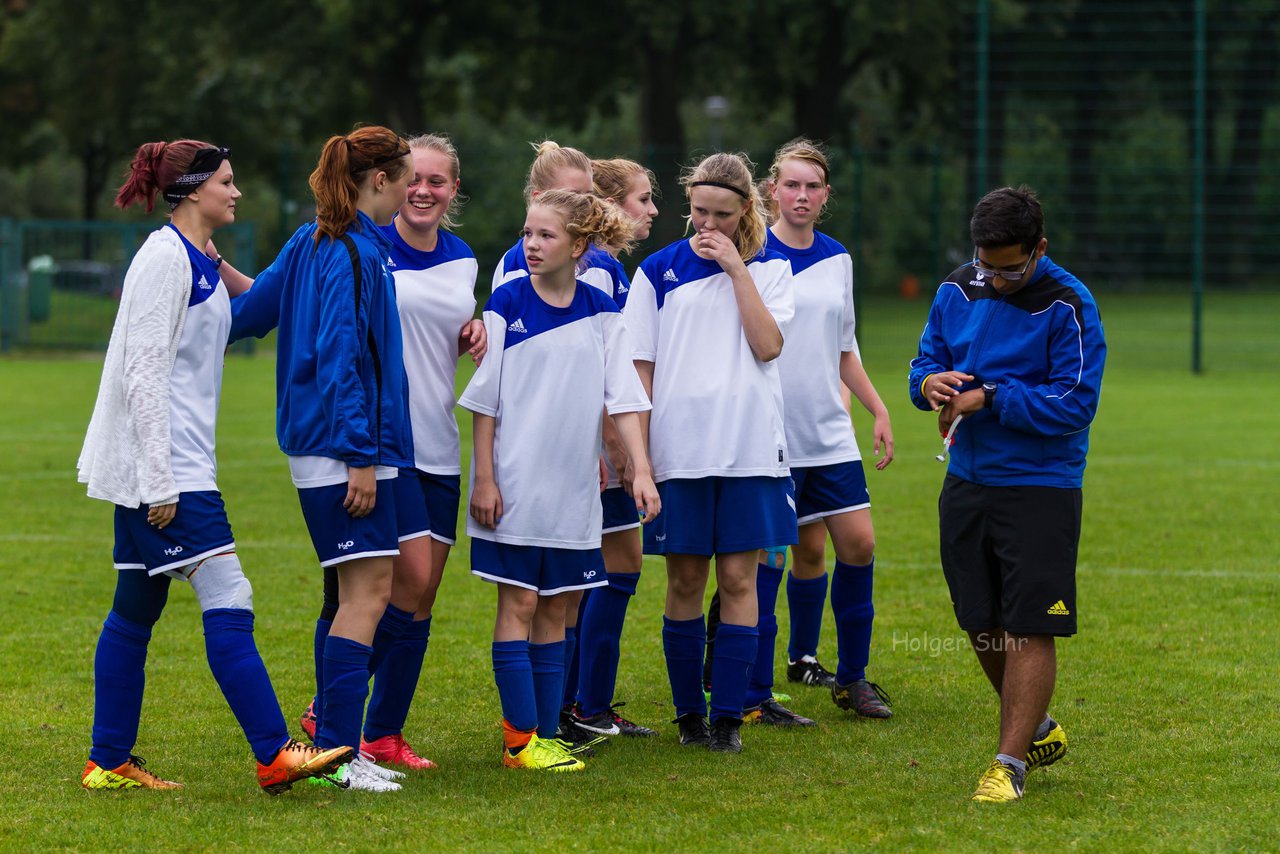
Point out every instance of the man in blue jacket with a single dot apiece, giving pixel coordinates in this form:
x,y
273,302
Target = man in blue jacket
x,y
1014,350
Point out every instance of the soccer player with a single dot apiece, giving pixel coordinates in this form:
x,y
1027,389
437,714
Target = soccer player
x,y
628,185
826,464
150,451
435,279
557,167
1014,346
708,315
342,410
558,353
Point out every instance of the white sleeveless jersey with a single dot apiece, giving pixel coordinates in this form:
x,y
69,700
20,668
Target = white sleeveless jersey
x,y
819,430
195,383
717,409
435,293
548,375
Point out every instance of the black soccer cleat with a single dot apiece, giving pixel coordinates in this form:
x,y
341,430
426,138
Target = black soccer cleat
x,y
694,731
809,671
773,713
726,735
865,698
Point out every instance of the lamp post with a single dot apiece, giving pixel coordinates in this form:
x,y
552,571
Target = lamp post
x,y
716,107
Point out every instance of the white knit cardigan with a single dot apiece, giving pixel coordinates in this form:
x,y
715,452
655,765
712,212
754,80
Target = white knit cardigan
x,y
126,454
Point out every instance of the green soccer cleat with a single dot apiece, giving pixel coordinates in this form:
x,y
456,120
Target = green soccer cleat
x,y
542,754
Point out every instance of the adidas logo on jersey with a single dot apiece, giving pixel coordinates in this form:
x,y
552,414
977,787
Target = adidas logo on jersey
x,y
204,284
518,326
391,262
1058,609
622,289
670,276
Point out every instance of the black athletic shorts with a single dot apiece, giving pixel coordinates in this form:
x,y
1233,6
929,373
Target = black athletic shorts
x,y
1009,555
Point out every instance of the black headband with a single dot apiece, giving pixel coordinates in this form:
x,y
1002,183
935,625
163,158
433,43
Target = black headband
x,y
355,170
719,184
202,168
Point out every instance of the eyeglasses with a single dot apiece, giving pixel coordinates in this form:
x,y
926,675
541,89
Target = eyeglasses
x,y
1009,276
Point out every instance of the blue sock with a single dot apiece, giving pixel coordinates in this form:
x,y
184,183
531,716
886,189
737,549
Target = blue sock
x,y
1017,763
735,655
547,663
683,643
322,635
600,649
395,682
760,679
393,624
118,679
238,669
806,598
514,675
346,685
854,612
570,663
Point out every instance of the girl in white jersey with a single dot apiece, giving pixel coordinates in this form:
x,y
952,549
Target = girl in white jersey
x,y
150,451
826,465
628,185
559,353
557,167
708,316
435,276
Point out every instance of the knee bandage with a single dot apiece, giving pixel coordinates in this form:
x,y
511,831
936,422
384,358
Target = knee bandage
x,y
777,556
219,582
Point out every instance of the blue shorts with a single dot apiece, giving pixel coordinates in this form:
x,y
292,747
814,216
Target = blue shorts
x,y
620,512
542,568
427,504
338,536
199,530
720,515
831,489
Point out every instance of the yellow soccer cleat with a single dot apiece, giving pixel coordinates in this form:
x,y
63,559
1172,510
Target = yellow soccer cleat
x,y
131,775
542,754
999,783
1048,750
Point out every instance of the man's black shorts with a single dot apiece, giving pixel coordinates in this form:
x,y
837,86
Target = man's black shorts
x,y
1009,555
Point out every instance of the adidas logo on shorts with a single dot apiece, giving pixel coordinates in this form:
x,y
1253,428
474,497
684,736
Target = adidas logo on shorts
x,y
518,326
670,276
1058,609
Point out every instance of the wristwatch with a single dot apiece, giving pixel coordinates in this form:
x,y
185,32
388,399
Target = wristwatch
x,y
988,395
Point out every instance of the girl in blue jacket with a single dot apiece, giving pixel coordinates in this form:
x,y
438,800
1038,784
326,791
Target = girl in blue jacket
x,y
342,410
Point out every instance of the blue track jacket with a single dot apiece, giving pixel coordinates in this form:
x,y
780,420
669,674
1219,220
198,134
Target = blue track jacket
x,y
1043,346
341,390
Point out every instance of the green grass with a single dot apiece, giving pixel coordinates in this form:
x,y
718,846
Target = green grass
x,y
1168,693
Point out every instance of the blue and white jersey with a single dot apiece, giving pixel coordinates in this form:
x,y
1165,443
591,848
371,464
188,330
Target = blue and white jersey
x,y
436,295
600,269
819,431
195,383
548,373
717,409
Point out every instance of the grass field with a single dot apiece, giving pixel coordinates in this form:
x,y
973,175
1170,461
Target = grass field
x,y
1169,693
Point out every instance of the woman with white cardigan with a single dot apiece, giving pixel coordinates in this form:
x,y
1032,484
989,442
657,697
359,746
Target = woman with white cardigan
x,y
150,452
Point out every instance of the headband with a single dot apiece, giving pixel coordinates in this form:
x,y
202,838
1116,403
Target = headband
x,y
355,170
719,184
203,167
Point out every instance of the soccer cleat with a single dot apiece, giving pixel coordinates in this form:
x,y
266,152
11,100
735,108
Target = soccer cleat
x,y
584,749
773,713
542,754
131,775
362,775
809,671
600,724
865,698
694,731
394,750
999,783
308,720
629,728
726,735
1048,750
297,761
